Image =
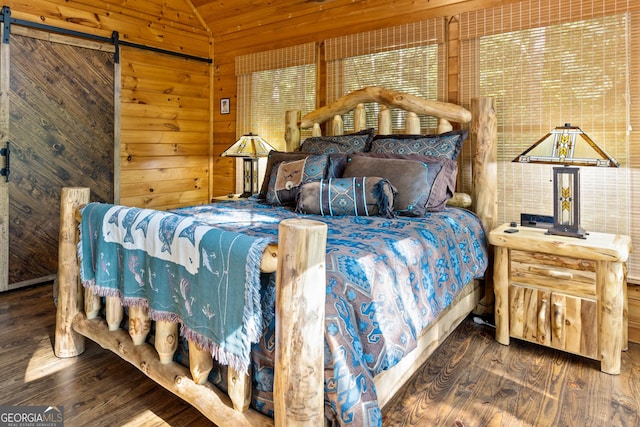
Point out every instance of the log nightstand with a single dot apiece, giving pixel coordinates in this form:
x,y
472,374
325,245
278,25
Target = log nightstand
x,y
562,292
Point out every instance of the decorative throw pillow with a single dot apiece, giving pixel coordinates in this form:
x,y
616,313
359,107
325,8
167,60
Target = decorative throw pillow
x,y
287,177
411,178
274,158
350,143
358,196
446,145
442,172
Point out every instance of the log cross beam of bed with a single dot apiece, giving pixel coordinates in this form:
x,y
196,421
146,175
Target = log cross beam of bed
x,y
300,262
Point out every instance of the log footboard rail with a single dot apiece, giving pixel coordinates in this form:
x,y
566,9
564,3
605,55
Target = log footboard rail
x,y
300,294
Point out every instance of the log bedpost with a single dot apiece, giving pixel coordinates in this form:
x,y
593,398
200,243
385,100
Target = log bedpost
x,y
292,130
337,125
298,389
139,324
359,118
444,125
114,313
384,120
412,124
91,304
484,177
166,340
200,363
239,389
68,343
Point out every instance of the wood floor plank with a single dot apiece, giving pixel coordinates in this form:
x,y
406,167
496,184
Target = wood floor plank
x,y
471,380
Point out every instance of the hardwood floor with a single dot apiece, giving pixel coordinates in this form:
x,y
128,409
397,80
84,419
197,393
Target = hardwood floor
x,y
471,380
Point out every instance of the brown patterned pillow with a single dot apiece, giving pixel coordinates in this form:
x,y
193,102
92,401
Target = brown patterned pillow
x,y
287,178
443,174
274,158
413,179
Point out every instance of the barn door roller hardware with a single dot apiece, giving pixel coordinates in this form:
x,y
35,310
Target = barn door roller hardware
x,y
5,170
7,21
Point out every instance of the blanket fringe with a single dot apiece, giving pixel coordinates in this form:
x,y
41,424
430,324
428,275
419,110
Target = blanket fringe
x,y
220,355
252,316
253,320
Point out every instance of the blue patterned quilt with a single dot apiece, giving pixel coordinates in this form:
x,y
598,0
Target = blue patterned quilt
x,y
387,279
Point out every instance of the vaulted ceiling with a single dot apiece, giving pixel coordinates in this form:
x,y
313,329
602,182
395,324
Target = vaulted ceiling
x,y
228,16
234,19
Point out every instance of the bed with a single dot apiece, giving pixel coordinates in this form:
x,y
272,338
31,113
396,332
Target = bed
x,y
319,351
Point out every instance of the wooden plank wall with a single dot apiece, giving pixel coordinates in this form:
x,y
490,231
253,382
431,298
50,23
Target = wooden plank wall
x,y
164,131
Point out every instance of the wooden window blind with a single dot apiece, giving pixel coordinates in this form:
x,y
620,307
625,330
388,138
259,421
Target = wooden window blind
x,y
269,84
409,57
553,62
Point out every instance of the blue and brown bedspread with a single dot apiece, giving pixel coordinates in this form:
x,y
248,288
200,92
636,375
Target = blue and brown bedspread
x,y
387,279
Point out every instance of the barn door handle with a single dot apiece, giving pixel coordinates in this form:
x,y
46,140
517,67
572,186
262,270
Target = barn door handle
x,y
5,170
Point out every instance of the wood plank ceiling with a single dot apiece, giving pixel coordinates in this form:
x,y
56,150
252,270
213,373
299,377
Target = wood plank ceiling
x,y
230,19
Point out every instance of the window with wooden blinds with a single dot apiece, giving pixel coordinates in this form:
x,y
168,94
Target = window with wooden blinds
x,y
553,62
269,84
410,58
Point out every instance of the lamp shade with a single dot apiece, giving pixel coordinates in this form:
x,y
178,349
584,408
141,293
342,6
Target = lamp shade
x,y
249,145
567,147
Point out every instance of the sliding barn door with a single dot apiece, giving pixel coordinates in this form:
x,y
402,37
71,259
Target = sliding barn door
x,y
60,133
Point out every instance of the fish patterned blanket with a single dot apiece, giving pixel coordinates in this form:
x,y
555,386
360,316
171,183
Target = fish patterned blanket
x,y
387,279
182,270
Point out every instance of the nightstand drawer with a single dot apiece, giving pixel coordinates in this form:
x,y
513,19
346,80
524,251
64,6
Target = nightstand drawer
x,y
571,275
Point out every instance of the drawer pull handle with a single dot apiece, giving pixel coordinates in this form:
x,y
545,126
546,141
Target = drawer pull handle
x,y
552,273
558,320
542,321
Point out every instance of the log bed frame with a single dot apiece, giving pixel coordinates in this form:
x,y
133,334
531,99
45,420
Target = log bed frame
x,y
299,260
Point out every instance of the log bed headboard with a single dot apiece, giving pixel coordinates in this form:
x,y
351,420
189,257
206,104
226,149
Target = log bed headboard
x,y
484,200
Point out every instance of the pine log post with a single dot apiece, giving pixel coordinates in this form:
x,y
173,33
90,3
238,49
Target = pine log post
x,y
292,131
68,343
611,314
484,193
239,386
444,125
337,125
384,120
91,304
412,124
359,118
298,389
139,324
200,363
114,313
166,340
501,276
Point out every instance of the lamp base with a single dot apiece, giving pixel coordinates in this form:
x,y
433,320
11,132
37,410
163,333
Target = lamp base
x,y
577,232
